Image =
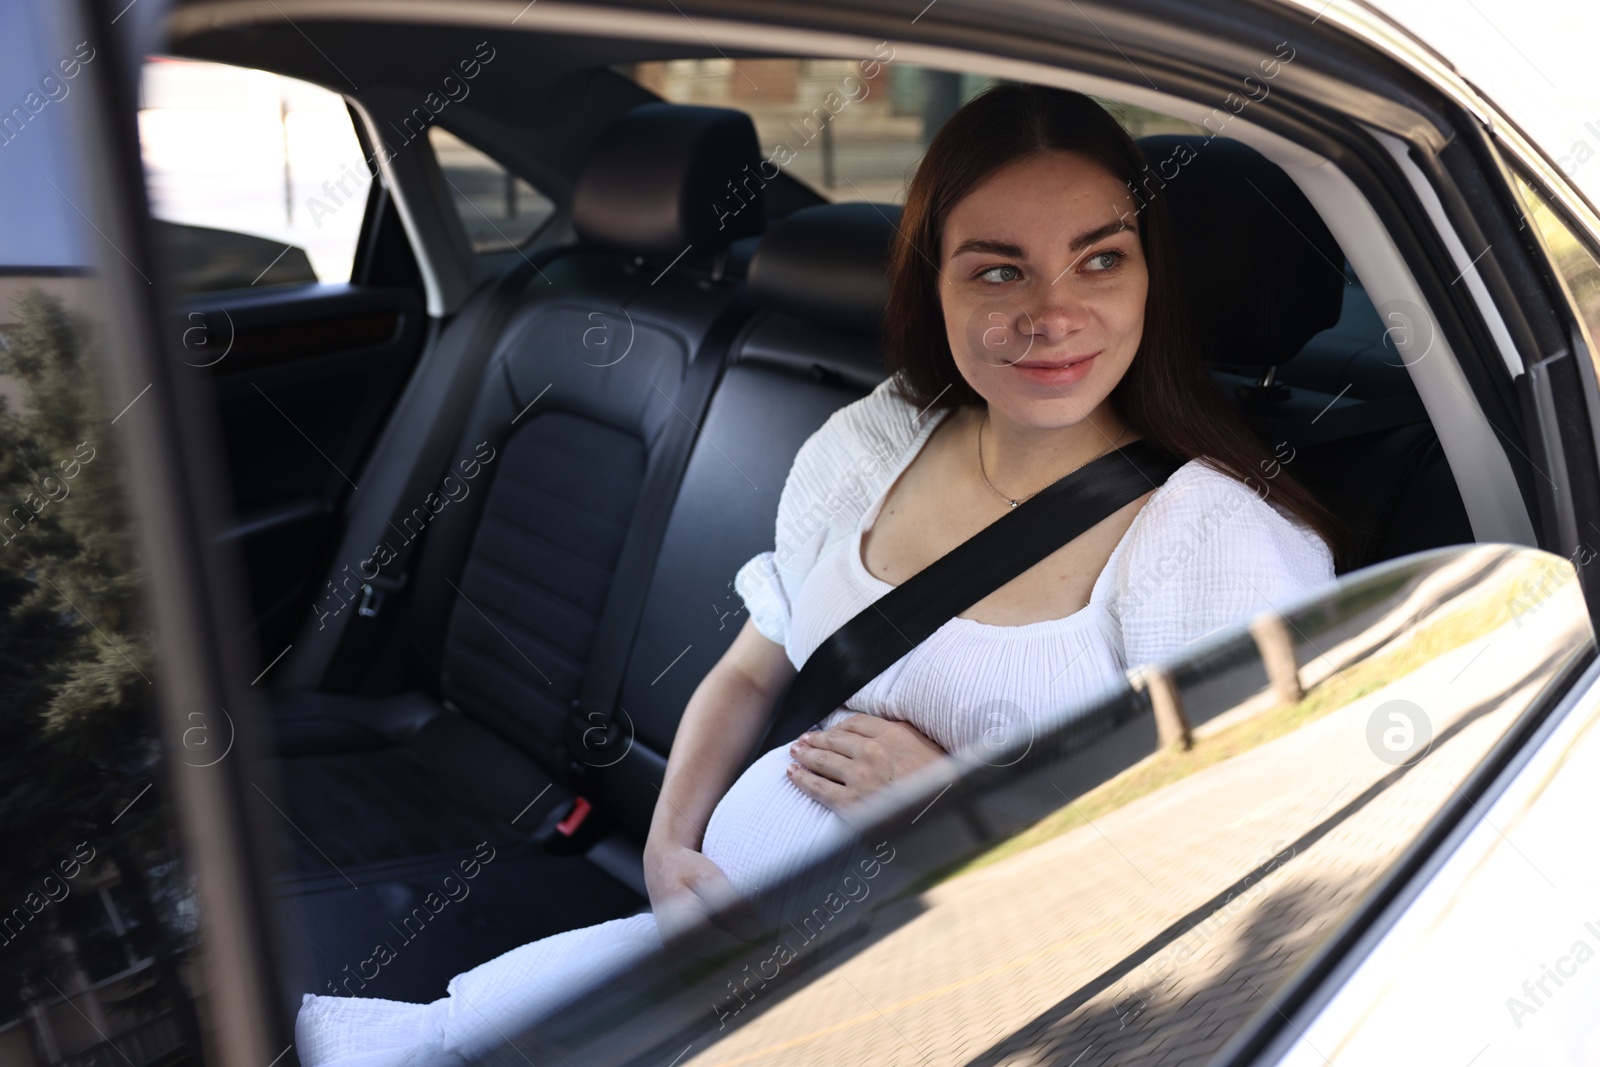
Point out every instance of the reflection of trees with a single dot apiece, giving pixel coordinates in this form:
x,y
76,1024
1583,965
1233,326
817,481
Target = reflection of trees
x,y
76,681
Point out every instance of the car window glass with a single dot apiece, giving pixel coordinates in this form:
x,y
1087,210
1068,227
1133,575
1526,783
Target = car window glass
x,y
97,919
1573,260
257,179
850,129
1145,873
98,933
98,940
498,210
1137,880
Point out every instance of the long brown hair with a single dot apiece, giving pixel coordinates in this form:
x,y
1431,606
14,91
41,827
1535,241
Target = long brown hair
x,y
1167,394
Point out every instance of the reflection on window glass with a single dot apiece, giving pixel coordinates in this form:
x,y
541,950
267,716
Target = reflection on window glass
x,y
499,210
1173,890
1573,260
101,952
1132,882
259,179
95,922
850,129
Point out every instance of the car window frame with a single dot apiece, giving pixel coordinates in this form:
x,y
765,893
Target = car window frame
x,y
420,257
1572,320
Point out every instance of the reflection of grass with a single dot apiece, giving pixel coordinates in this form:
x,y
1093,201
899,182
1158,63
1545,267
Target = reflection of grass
x,y
1576,265
1518,595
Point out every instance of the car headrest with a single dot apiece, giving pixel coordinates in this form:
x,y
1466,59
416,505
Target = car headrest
x,y
1260,272
663,177
828,264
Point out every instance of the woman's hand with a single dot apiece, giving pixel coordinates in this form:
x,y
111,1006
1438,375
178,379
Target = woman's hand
x,y
858,757
685,887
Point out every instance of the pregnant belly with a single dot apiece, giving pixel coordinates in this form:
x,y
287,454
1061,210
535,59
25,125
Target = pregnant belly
x,y
765,829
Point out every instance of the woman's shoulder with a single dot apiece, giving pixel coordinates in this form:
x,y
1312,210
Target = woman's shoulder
x,y
1202,489
837,471
1206,551
1204,513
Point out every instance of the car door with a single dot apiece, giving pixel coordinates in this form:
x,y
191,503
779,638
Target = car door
x,y
1482,954
132,588
1140,880
300,303
167,475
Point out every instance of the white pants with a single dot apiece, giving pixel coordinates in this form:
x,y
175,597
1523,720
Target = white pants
x,y
483,1008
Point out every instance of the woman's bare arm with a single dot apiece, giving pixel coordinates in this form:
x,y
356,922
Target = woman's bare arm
x,y
721,724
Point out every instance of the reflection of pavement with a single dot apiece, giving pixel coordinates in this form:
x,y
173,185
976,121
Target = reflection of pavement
x,y
1058,952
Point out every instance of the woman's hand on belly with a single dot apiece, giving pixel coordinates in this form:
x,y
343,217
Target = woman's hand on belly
x,y
685,887
842,765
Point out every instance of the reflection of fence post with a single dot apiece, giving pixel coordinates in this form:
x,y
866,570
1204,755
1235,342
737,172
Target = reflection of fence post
x,y
1172,724
288,179
1271,632
827,154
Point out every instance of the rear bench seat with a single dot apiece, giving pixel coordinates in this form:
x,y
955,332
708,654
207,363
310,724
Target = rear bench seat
x,y
821,275
591,380
389,793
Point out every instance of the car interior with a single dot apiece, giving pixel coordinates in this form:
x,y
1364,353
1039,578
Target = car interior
x,y
621,394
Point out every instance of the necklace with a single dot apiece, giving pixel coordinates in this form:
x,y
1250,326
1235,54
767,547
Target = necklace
x,y
1042,488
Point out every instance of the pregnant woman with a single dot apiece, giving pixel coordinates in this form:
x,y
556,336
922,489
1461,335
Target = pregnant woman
x,y
1032,326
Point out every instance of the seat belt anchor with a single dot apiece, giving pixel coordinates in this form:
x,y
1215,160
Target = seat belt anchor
x,y
569,824
571,828
373,591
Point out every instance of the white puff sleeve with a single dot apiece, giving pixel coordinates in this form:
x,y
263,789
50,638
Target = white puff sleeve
x,y
761,586
1209,553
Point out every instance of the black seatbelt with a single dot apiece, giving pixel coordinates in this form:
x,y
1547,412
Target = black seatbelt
x,y
906,615
592,728
476,341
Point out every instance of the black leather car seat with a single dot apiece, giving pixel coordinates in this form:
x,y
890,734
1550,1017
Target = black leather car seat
x,y
1265,281
821,276
587,381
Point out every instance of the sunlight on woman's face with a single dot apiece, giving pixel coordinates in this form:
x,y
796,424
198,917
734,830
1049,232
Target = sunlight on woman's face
x,y
1041,267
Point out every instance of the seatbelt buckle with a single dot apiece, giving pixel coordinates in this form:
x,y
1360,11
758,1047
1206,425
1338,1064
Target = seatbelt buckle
x,y
373,591
569,828
575,817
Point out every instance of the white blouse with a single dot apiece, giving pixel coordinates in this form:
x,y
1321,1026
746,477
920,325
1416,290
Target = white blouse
x,y
1204,552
